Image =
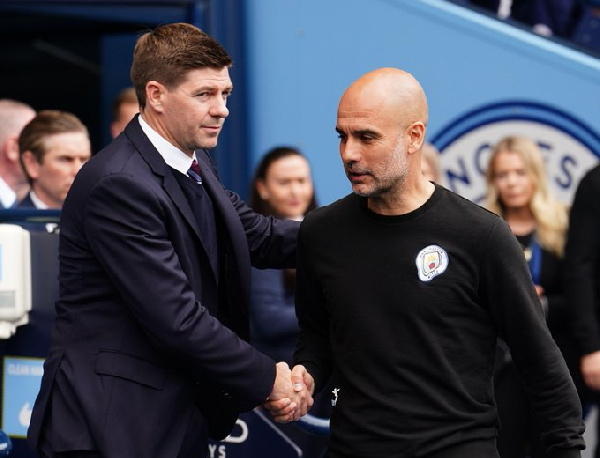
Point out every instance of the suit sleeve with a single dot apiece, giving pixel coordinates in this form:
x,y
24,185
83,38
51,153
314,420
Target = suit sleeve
x,y
582,265
271,241
127,226
507,290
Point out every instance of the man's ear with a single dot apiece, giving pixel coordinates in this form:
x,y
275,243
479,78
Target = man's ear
x,y
416,137
12,149
31,165
155,93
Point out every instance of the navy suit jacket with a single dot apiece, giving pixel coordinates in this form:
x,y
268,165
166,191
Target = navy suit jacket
x,y
137,343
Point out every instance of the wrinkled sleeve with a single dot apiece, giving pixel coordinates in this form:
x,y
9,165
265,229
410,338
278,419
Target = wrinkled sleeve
x,y
313,349
507,290
271,241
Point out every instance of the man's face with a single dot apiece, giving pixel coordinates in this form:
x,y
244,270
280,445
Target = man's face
x,y
53,177
371,148
195,110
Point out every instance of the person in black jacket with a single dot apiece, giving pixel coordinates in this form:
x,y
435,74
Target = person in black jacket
x,y
582,280
402,289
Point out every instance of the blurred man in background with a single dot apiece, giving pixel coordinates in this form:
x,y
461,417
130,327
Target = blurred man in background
x,y
53,146
124,108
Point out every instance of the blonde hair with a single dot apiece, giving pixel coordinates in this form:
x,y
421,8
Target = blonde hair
x,y
430,154
551,216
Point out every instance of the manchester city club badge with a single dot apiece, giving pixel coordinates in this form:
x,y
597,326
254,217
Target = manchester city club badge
x,y
431,262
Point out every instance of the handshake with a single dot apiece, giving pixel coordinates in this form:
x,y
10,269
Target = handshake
x,y
292,393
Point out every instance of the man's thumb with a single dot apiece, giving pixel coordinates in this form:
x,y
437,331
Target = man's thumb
x,y
298,377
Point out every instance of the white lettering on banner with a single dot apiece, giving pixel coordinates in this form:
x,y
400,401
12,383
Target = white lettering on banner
x,y
24,370
213,449
36,371
466,146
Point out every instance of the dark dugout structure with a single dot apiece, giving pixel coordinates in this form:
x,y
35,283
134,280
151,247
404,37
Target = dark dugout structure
x,y
75,55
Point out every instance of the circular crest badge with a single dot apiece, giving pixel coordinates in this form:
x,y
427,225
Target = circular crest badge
x,y
431,262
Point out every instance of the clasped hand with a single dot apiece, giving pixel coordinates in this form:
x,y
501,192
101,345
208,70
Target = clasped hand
x,y
292,392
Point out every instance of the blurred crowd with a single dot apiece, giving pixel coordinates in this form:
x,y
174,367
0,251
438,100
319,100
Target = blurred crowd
x,y
41,152
577,21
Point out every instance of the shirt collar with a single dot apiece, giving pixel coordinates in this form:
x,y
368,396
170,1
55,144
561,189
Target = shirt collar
x,y
37,201
172,155
39,205
7,195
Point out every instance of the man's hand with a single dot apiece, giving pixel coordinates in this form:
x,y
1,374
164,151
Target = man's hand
x,y
304,386
590,369
295,404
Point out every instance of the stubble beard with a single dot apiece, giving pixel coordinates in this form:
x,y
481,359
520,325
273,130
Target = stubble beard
x,y
394,183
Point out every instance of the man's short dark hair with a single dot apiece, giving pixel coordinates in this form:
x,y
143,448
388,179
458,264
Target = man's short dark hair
x,y
169,52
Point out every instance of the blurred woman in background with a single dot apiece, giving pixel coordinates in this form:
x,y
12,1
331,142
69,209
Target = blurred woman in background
x,y
283,187
430,163
517,190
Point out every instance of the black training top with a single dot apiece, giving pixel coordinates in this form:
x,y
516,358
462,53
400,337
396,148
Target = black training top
x,y
407,308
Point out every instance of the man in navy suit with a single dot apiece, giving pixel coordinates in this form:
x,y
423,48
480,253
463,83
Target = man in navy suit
x,y
148,355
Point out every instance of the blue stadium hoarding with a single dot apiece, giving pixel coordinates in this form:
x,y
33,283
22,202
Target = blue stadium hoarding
x,y
570,147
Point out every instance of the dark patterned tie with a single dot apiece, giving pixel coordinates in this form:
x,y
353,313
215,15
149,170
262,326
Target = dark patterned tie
x,y
195,173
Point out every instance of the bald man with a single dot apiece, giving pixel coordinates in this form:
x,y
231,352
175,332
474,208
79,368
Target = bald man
x,y
14,116
402,288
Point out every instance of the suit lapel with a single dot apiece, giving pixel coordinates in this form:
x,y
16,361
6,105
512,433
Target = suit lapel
x,y
223,205
158,166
